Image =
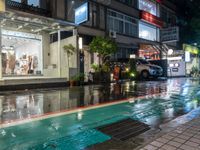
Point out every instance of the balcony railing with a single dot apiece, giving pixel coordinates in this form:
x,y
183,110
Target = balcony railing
x,y
27,8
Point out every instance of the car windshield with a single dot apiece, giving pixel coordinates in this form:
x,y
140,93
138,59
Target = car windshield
x,y
142,61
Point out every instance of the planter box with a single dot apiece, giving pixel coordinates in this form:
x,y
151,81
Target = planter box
x,y
101,77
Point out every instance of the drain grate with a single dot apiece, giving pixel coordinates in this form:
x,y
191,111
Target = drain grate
x,y
124,129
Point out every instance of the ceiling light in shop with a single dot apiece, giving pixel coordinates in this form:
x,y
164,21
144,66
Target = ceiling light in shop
x,y
144,34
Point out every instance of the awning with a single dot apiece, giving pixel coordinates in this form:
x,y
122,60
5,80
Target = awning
x,y
20,21
161,48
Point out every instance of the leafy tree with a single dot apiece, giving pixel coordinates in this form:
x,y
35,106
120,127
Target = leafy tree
x,y
104,47
189,20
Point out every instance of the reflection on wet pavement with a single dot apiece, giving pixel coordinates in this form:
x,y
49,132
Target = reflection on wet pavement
x,y
24,104
77,130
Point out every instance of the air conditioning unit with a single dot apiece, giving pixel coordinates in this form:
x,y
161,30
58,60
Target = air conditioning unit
x,y
112,34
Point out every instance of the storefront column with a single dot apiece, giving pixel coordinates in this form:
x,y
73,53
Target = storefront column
x,y
59,54
0,53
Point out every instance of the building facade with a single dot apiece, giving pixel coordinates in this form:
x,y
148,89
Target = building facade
x,y
146,28
33,33
29,48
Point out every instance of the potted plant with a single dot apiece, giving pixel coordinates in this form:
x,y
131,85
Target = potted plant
x,y
72,81
77,79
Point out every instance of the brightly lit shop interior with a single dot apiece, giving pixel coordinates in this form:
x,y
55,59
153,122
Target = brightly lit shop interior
x,y
21,53
149,32
149,52
27,49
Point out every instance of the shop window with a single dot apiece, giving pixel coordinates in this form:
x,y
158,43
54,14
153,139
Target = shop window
x,y
129,2
148,32
148,6
121,23
35,3
21,53
19,1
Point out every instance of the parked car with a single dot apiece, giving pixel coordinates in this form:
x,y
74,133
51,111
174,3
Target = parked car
x,y
144,69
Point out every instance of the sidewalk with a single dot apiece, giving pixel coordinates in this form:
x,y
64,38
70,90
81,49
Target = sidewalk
x,y
183,137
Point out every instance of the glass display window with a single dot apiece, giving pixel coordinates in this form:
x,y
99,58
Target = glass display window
x,y
148,32
148,6
21,53
35,3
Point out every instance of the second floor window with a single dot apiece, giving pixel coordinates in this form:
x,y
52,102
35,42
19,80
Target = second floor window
x,y
19,1
35,3
148,6
129,2
122,23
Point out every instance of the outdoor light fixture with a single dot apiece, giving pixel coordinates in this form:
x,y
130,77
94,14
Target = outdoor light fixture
x,y
80,43
170,51
127,69
132,74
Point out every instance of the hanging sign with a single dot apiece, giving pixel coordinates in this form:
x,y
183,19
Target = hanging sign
x,y
81,13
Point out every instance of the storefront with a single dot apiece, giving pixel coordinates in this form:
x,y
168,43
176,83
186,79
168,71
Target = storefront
x,y
149,52
27,49
21,53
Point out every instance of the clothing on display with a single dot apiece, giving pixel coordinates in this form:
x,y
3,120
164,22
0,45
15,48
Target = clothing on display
x,y
27,64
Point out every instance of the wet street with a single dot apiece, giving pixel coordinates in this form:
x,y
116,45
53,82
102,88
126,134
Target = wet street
x,y
151,102
18,105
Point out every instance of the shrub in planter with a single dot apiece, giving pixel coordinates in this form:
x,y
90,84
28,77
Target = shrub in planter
x,y
77,79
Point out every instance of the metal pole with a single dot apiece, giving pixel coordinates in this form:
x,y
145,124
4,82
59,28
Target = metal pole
x,y
1,53
59,55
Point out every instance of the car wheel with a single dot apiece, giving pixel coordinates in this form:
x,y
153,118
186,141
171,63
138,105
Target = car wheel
x,y
145,74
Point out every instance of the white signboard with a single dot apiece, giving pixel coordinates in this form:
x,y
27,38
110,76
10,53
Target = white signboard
x,y
132,56
187,56
170,34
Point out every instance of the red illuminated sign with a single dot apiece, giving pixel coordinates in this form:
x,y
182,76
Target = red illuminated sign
x,y
159,1
151,19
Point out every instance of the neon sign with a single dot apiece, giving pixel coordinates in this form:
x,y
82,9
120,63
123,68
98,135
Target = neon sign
x,y
151,19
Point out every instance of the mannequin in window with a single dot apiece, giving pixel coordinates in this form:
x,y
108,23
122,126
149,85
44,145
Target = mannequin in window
x,y
30,65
